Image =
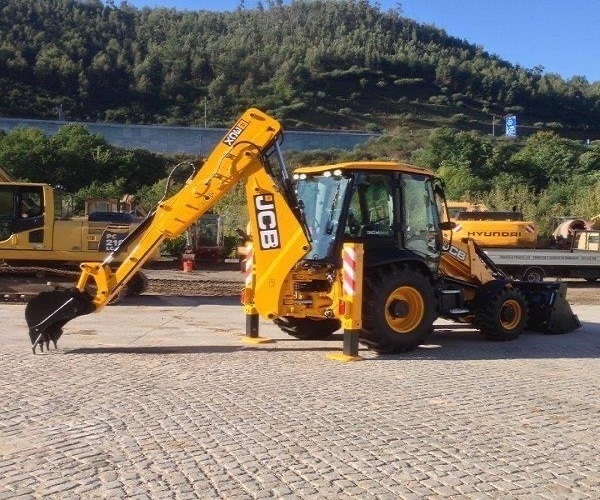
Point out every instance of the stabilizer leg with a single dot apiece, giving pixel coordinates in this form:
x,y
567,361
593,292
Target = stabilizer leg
x,y
350,348
252,336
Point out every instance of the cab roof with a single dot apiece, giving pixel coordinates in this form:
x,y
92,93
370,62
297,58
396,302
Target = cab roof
x,y
367,166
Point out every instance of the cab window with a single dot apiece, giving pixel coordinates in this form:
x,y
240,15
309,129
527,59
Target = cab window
x,y
371,207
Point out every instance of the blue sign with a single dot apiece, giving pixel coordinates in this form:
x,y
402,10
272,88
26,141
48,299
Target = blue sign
x,y
511,126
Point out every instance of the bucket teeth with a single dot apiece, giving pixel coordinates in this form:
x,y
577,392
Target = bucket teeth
x,y
44,339
48,312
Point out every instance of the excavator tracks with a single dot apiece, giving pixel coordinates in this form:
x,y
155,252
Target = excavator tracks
x,y
19,285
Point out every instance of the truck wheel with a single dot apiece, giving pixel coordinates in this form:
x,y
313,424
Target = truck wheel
x,y
138,284
504,317
308,329
399,308
534,274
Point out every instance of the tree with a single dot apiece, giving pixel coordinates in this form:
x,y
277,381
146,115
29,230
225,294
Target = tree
x,y
546,158
84,157
139,168
461,184
26,153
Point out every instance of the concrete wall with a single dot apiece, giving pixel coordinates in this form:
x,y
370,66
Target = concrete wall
x,y
190,140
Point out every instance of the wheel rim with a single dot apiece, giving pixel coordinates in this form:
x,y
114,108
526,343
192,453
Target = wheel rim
x,y
404,309
510,314
534,275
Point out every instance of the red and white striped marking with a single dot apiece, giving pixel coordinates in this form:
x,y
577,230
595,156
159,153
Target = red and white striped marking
x,y
529,228
349,270
248,265
457,228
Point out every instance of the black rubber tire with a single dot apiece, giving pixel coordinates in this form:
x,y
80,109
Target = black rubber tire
x,y
399,308
308,329
504,317
138,284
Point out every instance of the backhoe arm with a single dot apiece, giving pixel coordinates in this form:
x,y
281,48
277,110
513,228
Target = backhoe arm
x,y
236,157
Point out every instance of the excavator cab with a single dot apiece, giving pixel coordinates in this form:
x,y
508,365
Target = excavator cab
x,y
21,215
392,212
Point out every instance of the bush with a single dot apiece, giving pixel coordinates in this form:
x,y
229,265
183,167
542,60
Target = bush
x,y
372,127
174,247
458,118
231,243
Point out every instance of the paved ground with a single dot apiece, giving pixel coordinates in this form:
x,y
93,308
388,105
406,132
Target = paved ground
x,y
159,398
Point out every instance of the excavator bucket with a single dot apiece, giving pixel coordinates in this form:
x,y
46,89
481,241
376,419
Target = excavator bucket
x,y
549,311
47,313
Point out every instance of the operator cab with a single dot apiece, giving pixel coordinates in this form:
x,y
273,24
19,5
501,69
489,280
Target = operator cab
x,y
391,208
22,210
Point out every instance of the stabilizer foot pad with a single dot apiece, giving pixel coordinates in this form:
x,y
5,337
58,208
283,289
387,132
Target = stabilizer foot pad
x,y
345,358
257,340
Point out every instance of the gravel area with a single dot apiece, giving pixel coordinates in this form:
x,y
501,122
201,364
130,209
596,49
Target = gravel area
x,y
223,279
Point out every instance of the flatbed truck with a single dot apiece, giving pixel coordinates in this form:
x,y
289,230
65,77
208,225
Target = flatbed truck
x,y
582,260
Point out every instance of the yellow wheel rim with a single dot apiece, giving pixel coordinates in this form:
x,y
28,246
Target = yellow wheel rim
x,y
510,314
404,309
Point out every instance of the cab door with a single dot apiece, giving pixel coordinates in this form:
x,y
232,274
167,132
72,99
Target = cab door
x,y
22,216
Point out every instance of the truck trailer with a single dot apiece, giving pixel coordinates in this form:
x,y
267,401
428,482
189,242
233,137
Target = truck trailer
x,y
582,260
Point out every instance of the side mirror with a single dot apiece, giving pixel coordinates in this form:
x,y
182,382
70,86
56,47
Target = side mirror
x,y
447,226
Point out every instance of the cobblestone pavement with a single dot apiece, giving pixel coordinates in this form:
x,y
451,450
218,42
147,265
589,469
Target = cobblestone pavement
x,y
159,398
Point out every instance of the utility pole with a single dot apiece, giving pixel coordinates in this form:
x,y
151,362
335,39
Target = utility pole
x,y
493,125
205,113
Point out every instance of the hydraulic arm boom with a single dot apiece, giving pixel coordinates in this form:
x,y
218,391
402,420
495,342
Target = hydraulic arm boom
x,y
236,157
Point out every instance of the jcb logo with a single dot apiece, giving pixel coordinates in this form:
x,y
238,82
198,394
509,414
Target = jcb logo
x,y
266,221
457,253
235,132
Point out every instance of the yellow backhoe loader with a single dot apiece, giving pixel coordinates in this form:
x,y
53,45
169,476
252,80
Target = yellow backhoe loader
x,y
357,245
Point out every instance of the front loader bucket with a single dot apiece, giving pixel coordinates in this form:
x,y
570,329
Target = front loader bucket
x,y
549,311
48,312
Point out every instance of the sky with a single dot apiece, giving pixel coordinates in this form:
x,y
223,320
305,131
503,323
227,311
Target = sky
x,y
560,36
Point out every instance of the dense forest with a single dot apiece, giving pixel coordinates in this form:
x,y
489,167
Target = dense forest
x,y
311,63
341,64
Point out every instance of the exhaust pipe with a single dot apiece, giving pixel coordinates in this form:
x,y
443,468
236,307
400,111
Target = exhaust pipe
x,y
48,312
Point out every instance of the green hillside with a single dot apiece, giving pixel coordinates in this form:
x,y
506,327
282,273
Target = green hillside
x,y
321,63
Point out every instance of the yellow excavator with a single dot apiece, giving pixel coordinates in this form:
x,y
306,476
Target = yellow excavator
x,y
37,236
363,246
492,228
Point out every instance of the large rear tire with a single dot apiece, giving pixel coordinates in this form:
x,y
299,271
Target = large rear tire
x,y
399,308
308,329
504,317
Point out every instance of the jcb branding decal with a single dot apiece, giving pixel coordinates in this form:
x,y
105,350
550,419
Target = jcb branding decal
x,y
235,132
266,221
457,253
514,234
